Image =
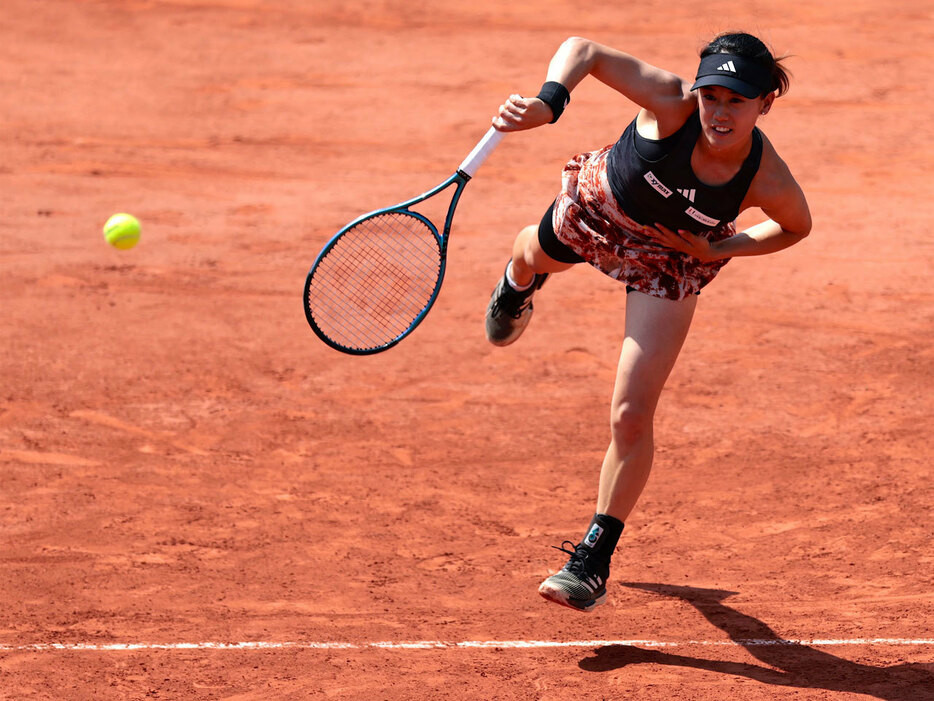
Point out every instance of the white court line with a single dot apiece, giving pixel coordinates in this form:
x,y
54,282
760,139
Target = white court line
x,y
443,645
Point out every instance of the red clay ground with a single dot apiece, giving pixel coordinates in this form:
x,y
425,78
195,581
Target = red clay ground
x,y
181,461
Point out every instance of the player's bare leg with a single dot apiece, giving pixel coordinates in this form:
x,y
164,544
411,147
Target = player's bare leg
x,y
655,332
528,258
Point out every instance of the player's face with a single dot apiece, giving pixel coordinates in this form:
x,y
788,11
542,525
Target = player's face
x,y
727,117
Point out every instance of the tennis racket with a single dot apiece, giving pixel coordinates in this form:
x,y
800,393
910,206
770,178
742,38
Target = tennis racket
x,y
376,279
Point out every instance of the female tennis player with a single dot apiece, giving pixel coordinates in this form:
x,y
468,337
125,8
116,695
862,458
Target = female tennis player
x,y
656,212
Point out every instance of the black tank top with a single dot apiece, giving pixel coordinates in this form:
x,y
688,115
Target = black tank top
x,y
652,180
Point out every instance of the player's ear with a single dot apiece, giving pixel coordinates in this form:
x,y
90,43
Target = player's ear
x,y
767,103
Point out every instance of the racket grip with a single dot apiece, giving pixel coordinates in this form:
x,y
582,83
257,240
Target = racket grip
x,y
481,151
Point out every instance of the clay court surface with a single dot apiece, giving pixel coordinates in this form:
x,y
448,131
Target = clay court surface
x,y
199,500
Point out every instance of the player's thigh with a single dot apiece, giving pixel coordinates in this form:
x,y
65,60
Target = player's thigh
x,y
655,332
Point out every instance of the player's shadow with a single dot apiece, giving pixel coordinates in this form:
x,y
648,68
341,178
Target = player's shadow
x,y
791,665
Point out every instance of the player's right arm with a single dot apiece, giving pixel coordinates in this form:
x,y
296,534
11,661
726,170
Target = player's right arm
x,y
662,94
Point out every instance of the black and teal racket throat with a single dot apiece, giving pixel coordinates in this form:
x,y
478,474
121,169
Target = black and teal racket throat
x,y
376,279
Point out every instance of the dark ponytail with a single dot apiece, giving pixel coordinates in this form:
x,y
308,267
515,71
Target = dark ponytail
x,y
748,46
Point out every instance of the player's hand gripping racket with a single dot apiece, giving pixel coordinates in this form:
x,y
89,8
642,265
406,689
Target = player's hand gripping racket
x,y
376,279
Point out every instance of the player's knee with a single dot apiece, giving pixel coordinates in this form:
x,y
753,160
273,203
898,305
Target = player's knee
x,y
630,422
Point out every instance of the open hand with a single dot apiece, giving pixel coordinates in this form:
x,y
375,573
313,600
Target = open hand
x,y
682,240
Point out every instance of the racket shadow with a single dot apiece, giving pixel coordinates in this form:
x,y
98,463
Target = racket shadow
x,y
787,664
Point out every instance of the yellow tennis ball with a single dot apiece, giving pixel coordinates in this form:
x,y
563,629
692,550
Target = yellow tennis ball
x,y
122,231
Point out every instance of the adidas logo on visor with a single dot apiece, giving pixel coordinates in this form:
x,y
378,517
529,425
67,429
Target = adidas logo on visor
x,y
728,66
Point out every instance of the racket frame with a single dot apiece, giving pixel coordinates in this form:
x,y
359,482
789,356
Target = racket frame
x,y
459,179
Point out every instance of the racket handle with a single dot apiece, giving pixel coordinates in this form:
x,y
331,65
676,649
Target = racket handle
x,y
481,151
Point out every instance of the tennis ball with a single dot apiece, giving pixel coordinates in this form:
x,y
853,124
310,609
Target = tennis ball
x,y
122,231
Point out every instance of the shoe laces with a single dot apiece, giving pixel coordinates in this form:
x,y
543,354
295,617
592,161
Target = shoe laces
x,y
583,562
512,302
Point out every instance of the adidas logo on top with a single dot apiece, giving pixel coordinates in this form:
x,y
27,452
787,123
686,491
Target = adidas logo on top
x,y
689,194
728,66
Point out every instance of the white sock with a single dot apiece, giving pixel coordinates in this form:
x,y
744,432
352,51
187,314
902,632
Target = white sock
x,y
512,283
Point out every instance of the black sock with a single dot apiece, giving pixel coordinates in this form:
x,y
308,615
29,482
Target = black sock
x,y
603,535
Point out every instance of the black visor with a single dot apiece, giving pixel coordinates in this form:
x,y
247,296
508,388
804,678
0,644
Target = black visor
x,y
737,73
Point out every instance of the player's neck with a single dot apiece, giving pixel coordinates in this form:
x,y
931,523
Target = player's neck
x,y
715,164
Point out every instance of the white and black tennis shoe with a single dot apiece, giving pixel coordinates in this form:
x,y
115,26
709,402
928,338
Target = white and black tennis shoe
x,y
581,583
510,311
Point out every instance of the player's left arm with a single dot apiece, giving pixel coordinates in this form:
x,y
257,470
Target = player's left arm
x,y
782,200
778,195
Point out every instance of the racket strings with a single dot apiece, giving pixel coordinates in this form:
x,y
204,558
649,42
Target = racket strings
x,y
375,281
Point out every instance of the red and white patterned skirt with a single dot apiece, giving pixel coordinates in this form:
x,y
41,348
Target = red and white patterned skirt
x,y
588,220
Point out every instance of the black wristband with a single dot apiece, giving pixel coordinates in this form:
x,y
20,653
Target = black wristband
x,y
556,96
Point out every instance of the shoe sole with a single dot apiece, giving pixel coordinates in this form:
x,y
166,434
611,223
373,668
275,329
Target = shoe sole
x,y
559,596
504,341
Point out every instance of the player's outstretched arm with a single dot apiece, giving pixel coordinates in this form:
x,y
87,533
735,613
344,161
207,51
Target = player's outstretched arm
x,y
656,90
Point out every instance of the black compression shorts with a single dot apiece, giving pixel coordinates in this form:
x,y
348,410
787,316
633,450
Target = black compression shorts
x,y
555,248
550,243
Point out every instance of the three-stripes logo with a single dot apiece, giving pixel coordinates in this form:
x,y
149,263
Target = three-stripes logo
x,y
728,66
593,583
689,194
